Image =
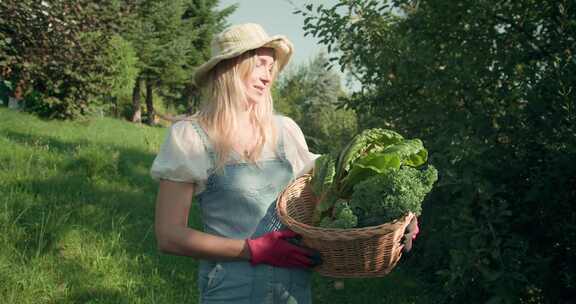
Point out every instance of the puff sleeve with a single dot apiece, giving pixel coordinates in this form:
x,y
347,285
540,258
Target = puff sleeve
x,y
182,156
297,152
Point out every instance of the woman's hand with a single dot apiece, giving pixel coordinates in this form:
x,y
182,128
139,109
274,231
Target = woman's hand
x,y
410,234
275,249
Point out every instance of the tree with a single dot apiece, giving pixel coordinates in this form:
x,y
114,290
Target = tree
x,y
310,94
171,37
52,47
490,87
121,60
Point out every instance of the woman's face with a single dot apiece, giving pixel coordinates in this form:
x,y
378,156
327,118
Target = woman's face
x,y
258,81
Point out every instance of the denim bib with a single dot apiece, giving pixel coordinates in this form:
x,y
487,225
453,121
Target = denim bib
x,y
239,203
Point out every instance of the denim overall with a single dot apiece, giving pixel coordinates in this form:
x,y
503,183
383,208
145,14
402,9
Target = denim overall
x,y
239,204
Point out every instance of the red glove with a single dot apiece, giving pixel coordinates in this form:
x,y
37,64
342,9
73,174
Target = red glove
x,y
273,249
410,234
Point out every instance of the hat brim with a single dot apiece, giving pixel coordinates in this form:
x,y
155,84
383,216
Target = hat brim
x,y
282,50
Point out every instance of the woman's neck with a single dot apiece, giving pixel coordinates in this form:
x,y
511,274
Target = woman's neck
x,y
243,119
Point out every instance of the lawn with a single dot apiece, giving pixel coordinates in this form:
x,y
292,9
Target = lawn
x,y
76,221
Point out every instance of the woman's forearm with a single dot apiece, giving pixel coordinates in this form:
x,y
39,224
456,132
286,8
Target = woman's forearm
x,y
173,235
190,242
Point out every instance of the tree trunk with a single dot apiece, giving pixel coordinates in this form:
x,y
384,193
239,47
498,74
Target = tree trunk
x,y
151,115
19,90
191,99
136,112
14,101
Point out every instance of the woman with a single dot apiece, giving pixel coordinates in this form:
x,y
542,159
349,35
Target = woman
x,y
236,156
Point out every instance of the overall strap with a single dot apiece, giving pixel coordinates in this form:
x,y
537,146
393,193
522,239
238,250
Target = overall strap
x,y
280,137
205,141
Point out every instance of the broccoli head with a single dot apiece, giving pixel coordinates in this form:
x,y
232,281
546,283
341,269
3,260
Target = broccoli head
x,y
391,195
343,217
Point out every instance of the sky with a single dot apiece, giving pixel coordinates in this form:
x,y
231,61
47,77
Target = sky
x,y
276,18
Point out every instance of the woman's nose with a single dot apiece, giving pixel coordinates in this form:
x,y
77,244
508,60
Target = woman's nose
x,y
266,77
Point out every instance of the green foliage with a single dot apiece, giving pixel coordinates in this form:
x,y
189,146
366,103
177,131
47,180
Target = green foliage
x,y
162,39
5,89
170,39
115,86
490,88
328,128
87,55
289,93
121,59
310,94
52,48
323,84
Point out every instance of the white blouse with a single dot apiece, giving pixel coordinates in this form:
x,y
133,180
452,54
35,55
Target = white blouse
x,y
183,157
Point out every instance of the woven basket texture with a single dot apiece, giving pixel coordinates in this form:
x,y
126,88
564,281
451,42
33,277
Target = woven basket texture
x,y
346,253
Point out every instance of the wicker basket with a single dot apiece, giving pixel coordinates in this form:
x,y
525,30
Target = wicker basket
x,y
346,253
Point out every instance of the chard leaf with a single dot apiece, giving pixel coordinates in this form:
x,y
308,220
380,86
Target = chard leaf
x,y
418,159
369,141
324,206
323,174
366,167
379,162
410,151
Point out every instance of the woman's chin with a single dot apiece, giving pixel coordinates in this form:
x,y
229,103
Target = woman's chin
x,y
256,100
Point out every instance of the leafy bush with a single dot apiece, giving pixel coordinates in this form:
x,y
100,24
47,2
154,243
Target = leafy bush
x,y
490,87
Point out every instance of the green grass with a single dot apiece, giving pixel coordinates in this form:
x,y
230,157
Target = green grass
x,y
76,221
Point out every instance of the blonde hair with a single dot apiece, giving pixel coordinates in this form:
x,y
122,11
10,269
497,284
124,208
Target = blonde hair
x,y
224,98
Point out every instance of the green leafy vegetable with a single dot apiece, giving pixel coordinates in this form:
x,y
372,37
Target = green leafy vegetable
x,y
393,194
343,217
377,177
321,184
323,174
410,151
367,142
366,167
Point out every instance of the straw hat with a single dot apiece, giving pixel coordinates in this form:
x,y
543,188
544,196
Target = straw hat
x,y
240,38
